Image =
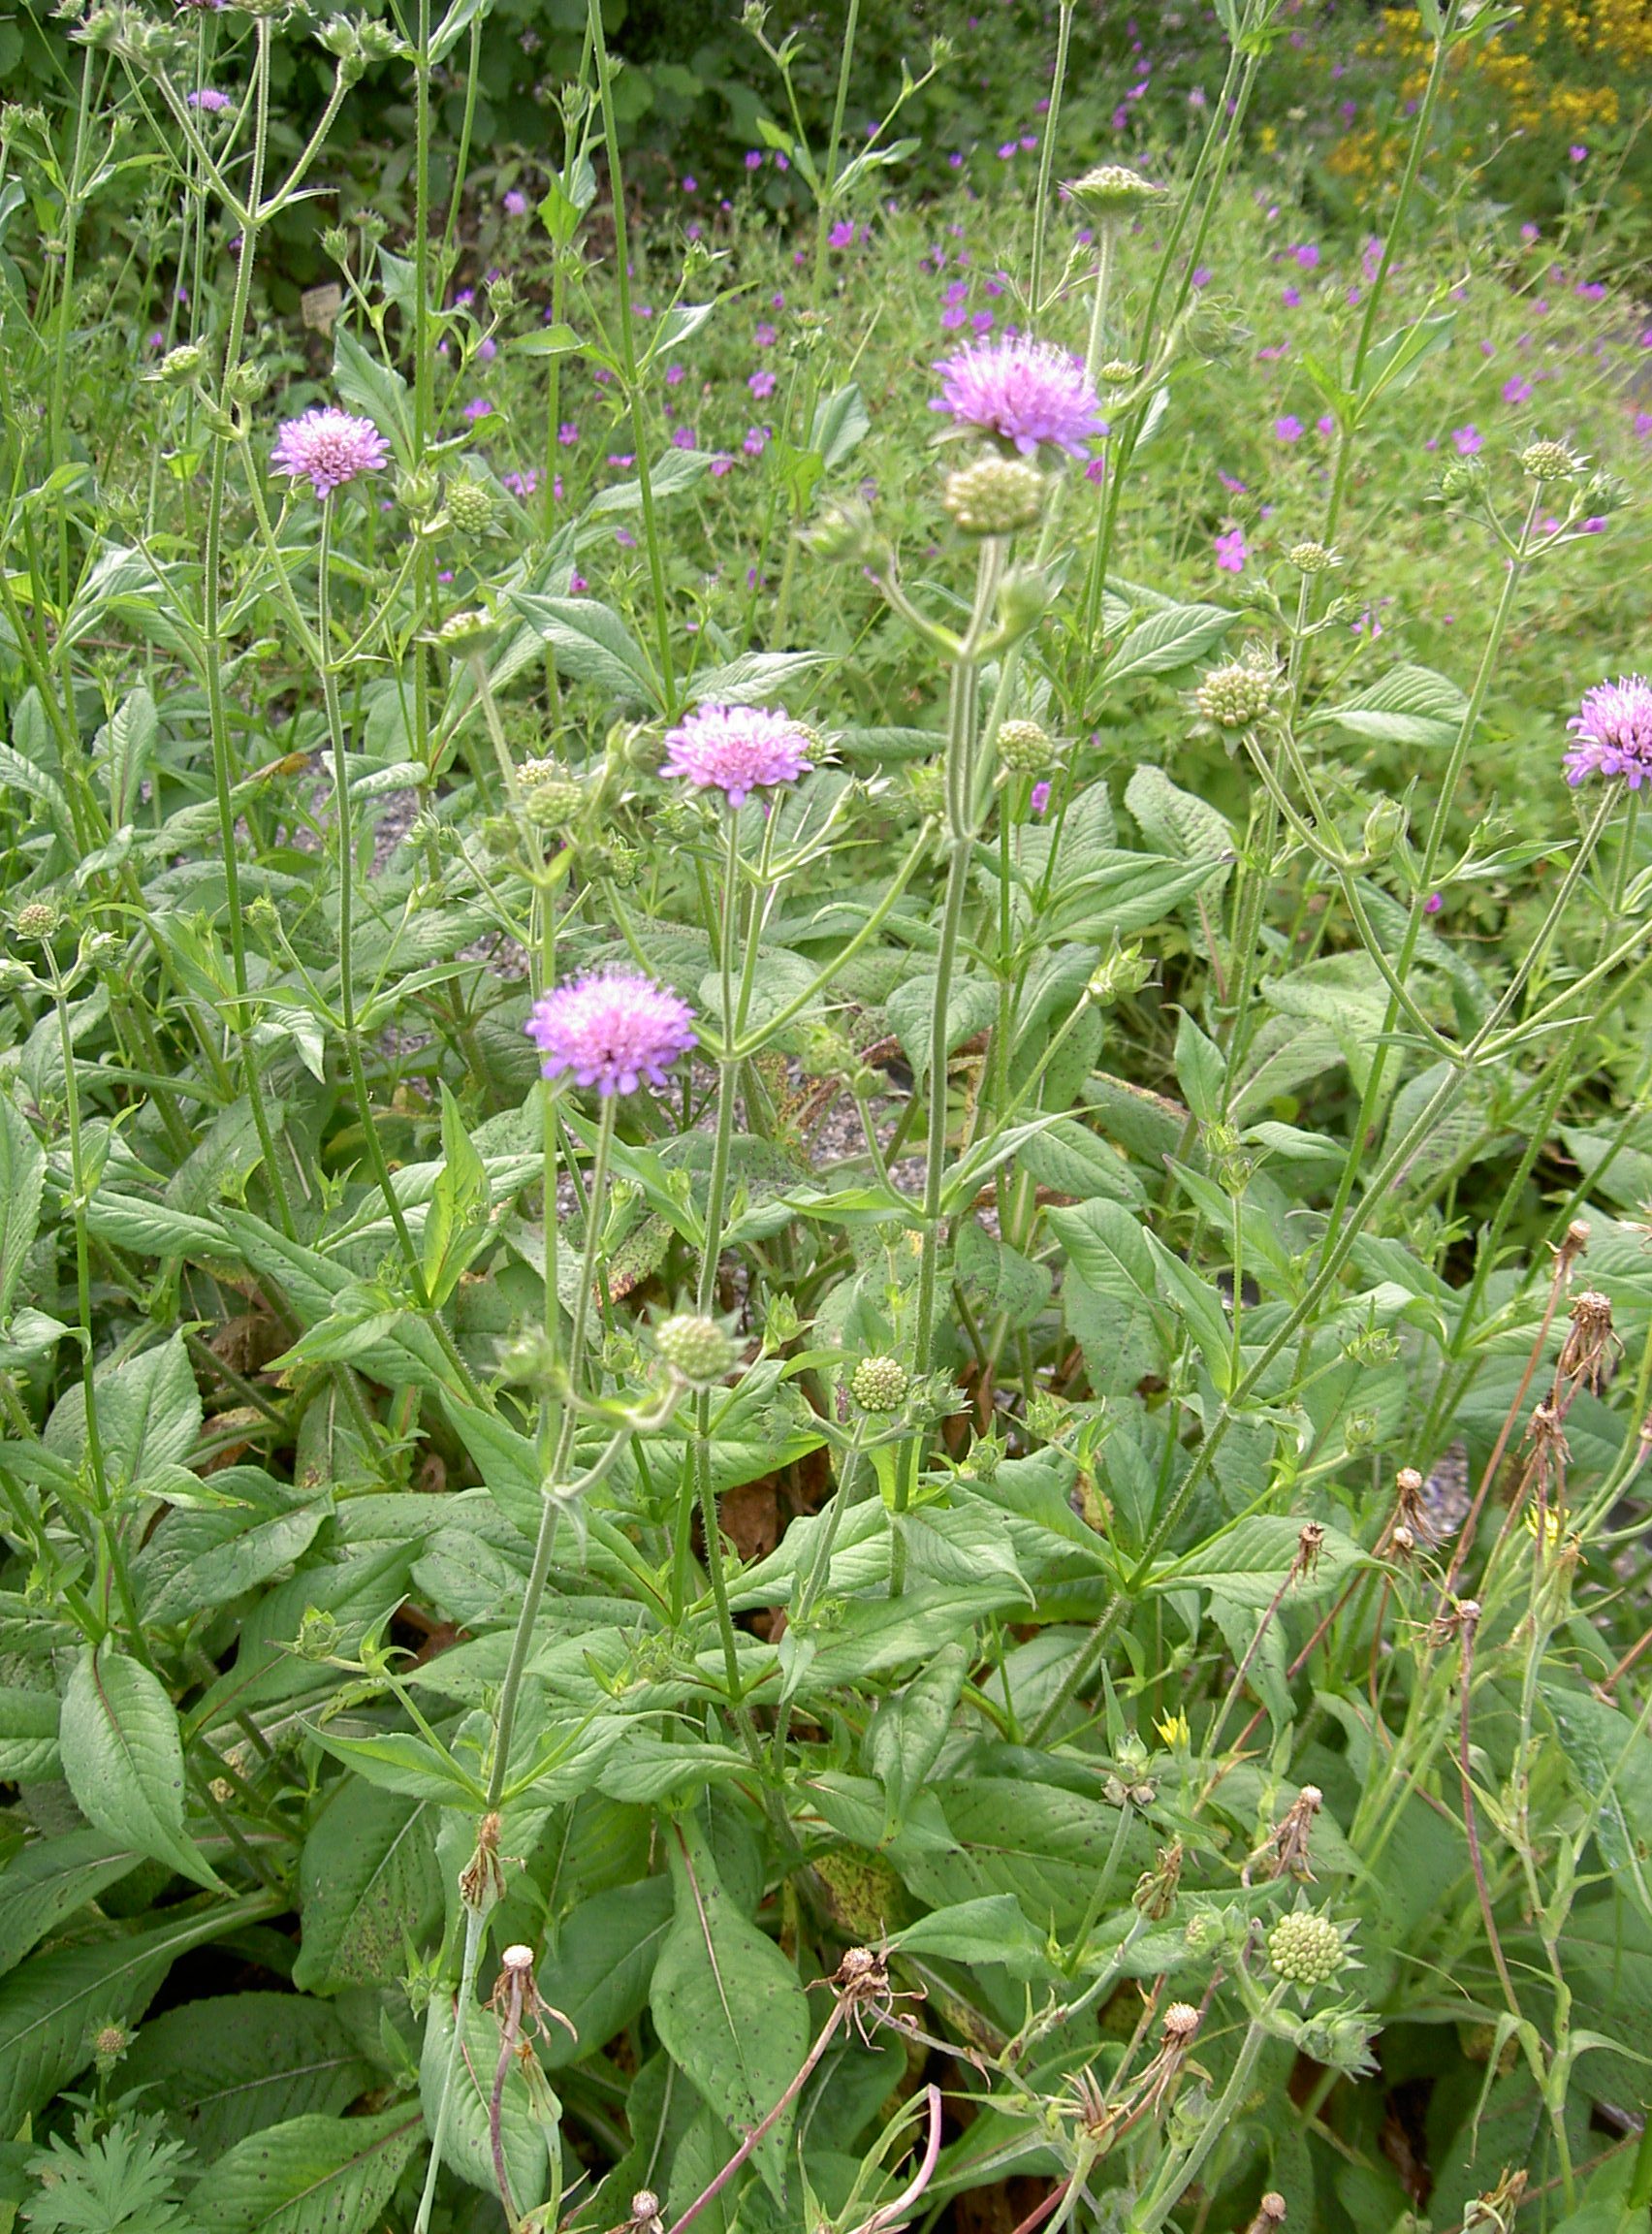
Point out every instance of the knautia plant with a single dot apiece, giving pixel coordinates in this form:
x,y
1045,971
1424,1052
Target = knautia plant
x,y
824,1317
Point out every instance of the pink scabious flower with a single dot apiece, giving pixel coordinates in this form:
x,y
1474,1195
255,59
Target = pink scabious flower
x,y
1023,392
612,1032
737,748
209,98
515,203
328,448
1613,732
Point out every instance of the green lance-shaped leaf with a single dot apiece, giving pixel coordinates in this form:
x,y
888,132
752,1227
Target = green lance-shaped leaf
x,y
123,1757
727,2005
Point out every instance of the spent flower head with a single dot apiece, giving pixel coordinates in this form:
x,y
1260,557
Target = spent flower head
x,y
328,448
612,1032
1612,729
737,749
1025,393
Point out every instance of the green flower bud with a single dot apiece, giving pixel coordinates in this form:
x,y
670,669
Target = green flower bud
x,y
1124,972
39,920
1313,557
471,508
1305,1949
1383,827
1026,749
843,535
182,364
1550,462
248,381
1112,190
879,1383
696,1348
467,631
1118,372
319,1635
1235,696
995,496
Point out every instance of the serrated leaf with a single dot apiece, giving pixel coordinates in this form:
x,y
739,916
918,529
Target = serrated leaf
x,y
1168,641
123,1758
591,645
1410,705
374,389
839,422
727,2005
309,2176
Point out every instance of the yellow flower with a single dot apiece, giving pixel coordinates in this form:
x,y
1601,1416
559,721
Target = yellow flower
x,y
1174,1728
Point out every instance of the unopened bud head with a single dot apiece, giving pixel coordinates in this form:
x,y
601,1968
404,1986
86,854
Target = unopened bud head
x,y
1305,1949
1112,190
696,1348
471,508
879,1383
183,363
38,919
1550,462
1235,696
1025,748
1313,557
995,496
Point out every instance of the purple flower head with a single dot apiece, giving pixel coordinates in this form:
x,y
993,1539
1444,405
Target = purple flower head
x,y
1515,390
1023,392
841,235
1468,440
515,203
761,383
478,408
1613,732
735,750
612,1032
1288,429
326,448
1230,551
209,98
1292,298
1434,903
754,159
1308,255
1040,797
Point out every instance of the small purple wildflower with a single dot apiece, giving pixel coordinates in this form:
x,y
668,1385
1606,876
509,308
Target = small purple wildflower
x,y
1230,551
567,434
843,235
209,98
1515,389
1202,276
1040,797
737,749
1288,429
612,1032
761,383
1468,440
1292,298
1308,255
682,438
515,203
675,375
757,441
328,448
1613,732
1025,392
478,408
1434,903
754,159
766,334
